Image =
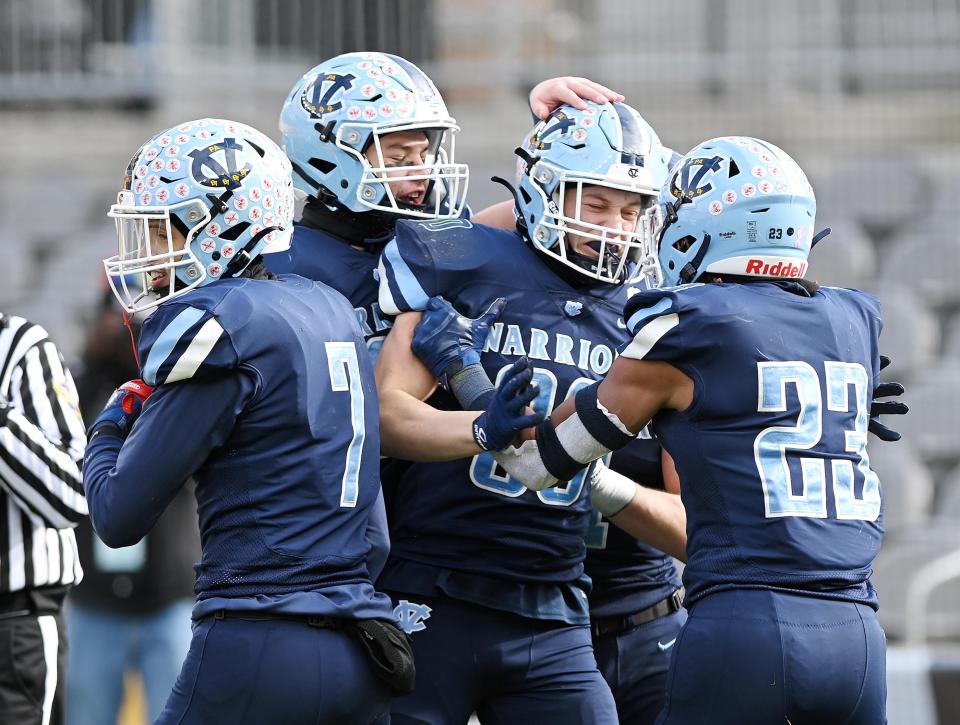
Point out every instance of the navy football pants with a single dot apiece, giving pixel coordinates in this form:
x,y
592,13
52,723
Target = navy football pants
x,y
756,656
507,668
635,665
253,672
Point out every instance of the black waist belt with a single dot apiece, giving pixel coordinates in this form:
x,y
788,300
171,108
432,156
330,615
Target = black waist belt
x,y
618,625
26,602
314,620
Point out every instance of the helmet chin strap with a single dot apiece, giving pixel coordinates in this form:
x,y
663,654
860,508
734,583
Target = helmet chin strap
x,y
591,264
691,268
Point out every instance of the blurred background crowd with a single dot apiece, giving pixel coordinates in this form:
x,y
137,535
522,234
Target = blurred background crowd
x,y
865,94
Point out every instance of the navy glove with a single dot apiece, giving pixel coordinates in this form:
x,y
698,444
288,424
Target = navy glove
x,y
885,407
497,426
446,341
122,410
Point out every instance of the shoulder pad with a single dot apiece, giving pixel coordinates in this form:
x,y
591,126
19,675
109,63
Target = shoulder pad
x,y
654,320
182,342
425,259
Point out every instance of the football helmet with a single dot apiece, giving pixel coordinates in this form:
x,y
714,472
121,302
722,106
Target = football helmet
x,y
608,145
735,206
199,202
347,104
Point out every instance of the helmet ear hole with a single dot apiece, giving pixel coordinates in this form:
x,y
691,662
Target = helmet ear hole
x,y
684,243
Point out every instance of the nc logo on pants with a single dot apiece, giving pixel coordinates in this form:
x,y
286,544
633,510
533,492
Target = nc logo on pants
x,y
410,616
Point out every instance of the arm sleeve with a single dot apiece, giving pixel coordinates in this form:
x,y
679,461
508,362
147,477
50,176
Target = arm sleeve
x,y
129,483
42,440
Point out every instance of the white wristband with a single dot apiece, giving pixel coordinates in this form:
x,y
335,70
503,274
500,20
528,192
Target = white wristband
x,y
610,492
525,465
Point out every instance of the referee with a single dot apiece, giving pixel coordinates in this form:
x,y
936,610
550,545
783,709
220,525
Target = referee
x,y
41,499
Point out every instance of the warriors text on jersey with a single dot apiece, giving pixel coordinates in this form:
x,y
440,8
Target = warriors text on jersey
x,y
464,527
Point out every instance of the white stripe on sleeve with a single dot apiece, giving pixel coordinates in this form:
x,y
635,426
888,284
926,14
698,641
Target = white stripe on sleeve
x,y
197,352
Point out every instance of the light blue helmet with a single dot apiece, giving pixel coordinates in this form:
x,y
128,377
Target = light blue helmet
x,y
348,103
607,145
223,185
735,206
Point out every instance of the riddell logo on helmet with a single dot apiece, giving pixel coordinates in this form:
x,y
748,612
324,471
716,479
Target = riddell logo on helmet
x,y
779,269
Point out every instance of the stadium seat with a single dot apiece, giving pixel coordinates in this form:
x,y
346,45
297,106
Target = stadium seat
x,y
846,258
948,500
18,262
906,482
881,194
925,256
911,334
951,339
895,568
931,426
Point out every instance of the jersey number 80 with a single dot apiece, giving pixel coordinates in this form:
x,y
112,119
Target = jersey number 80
x,y
483,469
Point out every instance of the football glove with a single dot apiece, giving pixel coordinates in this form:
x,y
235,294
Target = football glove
x,y
122,410
446,341
885,407
507,415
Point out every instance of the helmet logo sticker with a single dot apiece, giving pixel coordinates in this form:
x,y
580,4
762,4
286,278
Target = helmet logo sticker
x,y
226,176
332,86
563,122
688,182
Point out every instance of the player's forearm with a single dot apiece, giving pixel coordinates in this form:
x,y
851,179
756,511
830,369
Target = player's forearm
x,y
117,512
414,431
657,518
499,215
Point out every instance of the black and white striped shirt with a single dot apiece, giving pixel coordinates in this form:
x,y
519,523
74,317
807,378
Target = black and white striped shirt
x,y
41,446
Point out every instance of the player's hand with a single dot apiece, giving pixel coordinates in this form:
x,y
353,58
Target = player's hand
x,y
547,95
446,341
885,407
123,409
507,414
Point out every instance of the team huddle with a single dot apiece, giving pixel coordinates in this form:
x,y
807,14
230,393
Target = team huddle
x,y
445,459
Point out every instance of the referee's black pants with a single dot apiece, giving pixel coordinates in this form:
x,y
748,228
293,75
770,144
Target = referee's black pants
x,y
33,657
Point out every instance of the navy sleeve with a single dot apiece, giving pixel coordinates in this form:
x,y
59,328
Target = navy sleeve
x,y
129,483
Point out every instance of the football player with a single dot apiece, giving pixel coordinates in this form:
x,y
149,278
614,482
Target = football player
x,y
260,389
759,383
371,141
489,577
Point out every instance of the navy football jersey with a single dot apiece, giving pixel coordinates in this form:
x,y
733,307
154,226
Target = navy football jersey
x,y
318,255
266,396
468,518
627,574
772,452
